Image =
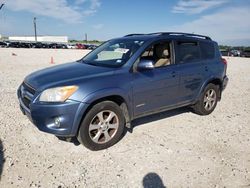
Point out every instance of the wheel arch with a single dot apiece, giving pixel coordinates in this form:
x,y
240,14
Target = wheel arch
x,y
119,100
215,81
106,95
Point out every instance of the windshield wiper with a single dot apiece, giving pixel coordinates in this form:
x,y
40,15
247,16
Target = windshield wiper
x,y
89,63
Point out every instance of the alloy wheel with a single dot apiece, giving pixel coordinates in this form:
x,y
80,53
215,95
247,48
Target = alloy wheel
x,y
103,126
209,99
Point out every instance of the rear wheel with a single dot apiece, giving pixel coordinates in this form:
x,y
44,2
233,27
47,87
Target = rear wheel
x,y
102,126
208,100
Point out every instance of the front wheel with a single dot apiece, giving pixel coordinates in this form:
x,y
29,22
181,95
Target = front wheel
x,y
208,100
102,126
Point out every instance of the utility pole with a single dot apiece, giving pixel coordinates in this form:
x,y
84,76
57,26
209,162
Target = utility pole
x,y
86,37
35,29
1,6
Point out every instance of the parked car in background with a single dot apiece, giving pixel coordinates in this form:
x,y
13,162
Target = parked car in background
x,y
245,53
38,45
24,45
3,44
225,52
62,46
80,46
14,45
7,42
71,46
92,47
45,45
235,53
58,46
52,45
95,98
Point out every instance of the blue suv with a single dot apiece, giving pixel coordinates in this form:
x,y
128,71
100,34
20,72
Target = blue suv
x,y
96,97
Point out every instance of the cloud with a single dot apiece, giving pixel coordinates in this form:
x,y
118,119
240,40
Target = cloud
x,y
98,26
79,2
196,6
94,5
226,26
59,9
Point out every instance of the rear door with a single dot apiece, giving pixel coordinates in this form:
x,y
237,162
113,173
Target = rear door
x,y
191,69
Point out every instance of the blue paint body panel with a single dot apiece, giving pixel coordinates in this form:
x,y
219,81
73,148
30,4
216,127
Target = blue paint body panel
x,y
143,92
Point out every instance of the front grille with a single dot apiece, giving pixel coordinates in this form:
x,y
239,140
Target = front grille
x,y
26,102
29,88
26,94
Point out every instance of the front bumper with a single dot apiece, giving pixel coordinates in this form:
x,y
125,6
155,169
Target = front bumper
x,y
60,119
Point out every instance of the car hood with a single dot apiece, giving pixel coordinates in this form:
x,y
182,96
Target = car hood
x,y
65,73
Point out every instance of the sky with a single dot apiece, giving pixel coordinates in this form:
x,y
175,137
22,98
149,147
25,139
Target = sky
x,y
226,21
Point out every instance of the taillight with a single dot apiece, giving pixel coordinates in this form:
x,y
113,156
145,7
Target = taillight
x,y
223,60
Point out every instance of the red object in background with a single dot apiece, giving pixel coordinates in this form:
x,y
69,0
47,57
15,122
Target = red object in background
x,y
80,46
52,60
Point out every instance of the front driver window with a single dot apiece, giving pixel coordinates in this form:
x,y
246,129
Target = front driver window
x,y
159,53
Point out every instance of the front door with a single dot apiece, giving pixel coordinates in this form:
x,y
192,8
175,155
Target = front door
x,y
156,88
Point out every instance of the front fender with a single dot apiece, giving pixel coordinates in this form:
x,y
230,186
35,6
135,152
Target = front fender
x,y
102,93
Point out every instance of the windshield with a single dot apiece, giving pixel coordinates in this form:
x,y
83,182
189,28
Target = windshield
x,y
113,53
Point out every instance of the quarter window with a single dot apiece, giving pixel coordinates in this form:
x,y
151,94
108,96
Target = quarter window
x,y
207,50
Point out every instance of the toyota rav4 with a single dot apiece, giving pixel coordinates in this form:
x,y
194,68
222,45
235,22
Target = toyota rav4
x,y
98,96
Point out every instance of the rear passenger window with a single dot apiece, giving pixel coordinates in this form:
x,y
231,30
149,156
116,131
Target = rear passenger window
x,y
188,51
207,50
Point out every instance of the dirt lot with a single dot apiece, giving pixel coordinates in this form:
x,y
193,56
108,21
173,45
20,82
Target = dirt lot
x,y
174,149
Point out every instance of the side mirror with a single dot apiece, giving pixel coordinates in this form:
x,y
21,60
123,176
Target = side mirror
x,y
145,65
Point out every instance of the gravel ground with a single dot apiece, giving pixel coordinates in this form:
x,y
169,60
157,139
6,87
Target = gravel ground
x,y
172,149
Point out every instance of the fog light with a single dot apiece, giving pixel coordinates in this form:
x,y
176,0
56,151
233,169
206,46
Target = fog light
x,y
57,122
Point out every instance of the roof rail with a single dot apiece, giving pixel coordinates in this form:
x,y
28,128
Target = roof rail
x,y
133,34
182,34
173,33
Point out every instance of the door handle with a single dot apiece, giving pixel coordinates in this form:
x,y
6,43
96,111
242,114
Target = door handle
x,y
173,74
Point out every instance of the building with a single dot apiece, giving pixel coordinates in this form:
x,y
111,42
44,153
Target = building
x,y
49,39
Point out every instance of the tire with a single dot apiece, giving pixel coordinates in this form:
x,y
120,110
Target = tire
x,y
102,126
207,101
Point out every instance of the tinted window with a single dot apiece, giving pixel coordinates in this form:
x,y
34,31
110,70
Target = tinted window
x,y
207,50
188,51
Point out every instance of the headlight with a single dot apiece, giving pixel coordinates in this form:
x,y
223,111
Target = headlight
x,y
57,94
